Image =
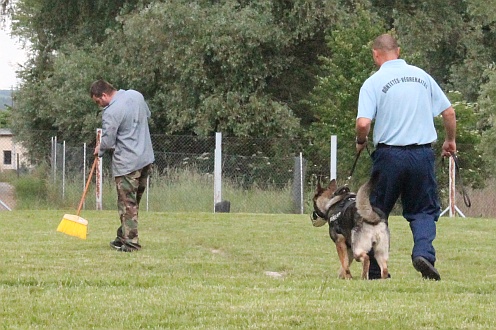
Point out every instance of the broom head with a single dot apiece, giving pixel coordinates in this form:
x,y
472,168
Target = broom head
x,y
73,225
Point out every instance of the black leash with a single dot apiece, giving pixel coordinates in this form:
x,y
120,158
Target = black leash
x,y
356,161
466,198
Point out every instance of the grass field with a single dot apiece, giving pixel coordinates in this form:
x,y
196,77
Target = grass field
x,y
235,271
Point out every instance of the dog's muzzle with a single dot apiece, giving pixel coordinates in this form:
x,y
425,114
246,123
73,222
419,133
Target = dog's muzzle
x,y
316,220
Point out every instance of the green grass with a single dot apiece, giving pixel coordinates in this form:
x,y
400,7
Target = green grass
x,y
209,271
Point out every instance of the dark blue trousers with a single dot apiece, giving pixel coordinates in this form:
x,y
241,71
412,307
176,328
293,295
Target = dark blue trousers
x,y
409,174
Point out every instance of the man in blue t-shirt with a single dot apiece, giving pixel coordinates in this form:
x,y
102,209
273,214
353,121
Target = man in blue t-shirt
x,y
403,100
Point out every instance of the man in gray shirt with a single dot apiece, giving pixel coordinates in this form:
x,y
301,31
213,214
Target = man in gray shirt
x,y
125,131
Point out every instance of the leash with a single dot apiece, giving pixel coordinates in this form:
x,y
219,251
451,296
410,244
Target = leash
x,y
466,198
356,161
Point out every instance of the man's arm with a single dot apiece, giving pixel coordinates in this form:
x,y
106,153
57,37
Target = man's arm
x,y
362,129
109,135
449,120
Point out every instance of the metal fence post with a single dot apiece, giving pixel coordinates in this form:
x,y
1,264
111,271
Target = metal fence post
x,y
98,174
333,160
298,183
301,183
218,169
84,171
147,191
63,170
54,158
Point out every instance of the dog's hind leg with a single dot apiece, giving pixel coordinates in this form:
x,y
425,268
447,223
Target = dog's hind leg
x,y
362,243
382,256
344,259
384,268
364,258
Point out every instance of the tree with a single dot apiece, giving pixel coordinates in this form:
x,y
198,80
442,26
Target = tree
x,y
453,40
335,97
5,118
487,121
203,66
335,100
468,137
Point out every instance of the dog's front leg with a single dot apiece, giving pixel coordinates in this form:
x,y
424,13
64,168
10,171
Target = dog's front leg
x,y
342,249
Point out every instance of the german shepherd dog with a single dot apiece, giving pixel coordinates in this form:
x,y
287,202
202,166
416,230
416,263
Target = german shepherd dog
x,y
354,226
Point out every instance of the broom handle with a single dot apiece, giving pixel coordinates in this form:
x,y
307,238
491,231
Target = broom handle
x,y
86,187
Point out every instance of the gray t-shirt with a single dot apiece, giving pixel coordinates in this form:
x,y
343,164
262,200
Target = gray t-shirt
x,y
125,129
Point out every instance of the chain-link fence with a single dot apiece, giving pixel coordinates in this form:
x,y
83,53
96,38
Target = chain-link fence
x,y
258,175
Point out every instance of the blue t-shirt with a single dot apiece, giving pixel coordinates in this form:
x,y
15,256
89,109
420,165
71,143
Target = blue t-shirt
x,y
403,99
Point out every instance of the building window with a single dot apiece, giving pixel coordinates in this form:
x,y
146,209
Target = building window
x,y
7,157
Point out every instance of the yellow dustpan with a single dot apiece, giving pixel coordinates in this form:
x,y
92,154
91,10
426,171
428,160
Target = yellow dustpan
x,y
74,225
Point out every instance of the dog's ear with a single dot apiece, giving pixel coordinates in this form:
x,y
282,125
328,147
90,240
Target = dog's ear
x,y
333,184
319,187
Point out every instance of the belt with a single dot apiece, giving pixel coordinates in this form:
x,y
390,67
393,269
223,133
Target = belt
x,y
409,146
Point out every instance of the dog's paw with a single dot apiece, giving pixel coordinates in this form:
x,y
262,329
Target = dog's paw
x,y
344,275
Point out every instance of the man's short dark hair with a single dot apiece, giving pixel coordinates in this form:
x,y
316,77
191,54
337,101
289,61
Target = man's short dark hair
x,y
385,42
99,87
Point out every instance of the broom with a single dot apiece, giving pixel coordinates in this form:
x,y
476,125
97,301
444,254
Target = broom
x,y
74,225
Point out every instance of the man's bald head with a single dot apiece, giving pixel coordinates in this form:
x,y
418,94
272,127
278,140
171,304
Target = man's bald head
x,y
385,48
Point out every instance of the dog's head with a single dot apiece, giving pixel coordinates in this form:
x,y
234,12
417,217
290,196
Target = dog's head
x,y
323,199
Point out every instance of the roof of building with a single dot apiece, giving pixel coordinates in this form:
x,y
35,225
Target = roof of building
x,y
5,132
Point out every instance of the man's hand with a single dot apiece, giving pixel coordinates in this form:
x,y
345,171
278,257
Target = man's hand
x,y
448,148
97,150
361,144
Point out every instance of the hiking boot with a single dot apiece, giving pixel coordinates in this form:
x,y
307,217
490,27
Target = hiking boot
x,y
427,269
116,244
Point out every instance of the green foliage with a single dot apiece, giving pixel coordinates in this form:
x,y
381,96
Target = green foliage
x,y
49,24
335,97
203,67
60,105
240,67
208,68
31,191
5,121
473,166
453,42
487,123
5,99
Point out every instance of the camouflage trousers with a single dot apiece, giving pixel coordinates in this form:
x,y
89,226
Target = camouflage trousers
x,y
130,189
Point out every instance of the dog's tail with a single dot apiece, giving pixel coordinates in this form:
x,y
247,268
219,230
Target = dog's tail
x,y
363,205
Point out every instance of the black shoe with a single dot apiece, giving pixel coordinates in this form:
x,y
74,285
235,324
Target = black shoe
x,y
116,244
126,248
427,270
377,277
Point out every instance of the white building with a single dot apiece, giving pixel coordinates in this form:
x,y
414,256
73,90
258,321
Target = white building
x,y
12,154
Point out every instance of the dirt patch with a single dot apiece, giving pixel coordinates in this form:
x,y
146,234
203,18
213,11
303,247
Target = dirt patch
x,y
7,196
